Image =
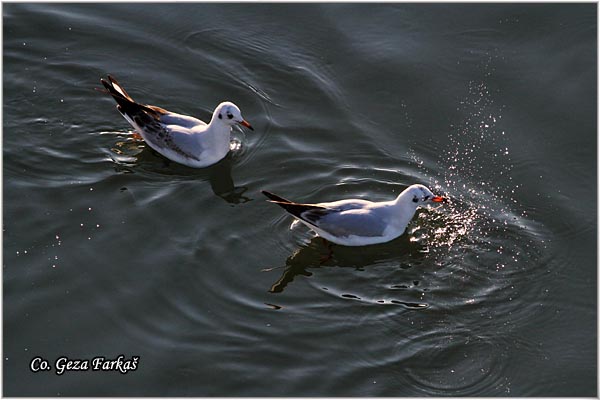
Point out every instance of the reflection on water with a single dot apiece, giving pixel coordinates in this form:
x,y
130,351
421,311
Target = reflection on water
x,y
132,153
319,253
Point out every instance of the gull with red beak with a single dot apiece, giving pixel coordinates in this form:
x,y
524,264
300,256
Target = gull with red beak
x,y
355,222
180,138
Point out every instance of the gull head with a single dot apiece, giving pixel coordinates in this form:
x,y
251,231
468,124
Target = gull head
x,y
419,194
230,114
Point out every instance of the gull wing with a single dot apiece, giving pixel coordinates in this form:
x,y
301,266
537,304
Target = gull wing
x,y
162,129
358,222
341,219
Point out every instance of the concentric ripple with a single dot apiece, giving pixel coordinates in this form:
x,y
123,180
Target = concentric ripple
x,y
455,363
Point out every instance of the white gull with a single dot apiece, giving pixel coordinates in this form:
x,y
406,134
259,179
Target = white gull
x,y
355,222
180,138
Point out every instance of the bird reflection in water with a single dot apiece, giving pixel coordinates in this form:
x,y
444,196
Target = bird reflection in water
x,y
222,183
320,253
133,153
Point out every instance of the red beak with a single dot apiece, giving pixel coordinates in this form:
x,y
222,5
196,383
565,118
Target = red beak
x,y
246,124
438,199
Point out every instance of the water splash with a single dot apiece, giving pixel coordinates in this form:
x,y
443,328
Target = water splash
x,y
476,175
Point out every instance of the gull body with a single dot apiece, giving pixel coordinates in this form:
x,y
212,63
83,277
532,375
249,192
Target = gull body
x,y
356,222
180,138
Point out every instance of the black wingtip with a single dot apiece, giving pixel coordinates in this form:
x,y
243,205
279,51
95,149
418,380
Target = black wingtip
x,y
298,210
274,197
105,84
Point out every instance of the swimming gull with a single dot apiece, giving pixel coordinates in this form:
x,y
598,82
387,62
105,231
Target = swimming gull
x,y
180,138
355,222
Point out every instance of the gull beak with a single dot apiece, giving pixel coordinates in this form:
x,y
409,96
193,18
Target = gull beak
x,y
439,199
246,124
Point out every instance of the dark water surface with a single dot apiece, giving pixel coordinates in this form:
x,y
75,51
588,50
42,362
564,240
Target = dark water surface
x,y
109,249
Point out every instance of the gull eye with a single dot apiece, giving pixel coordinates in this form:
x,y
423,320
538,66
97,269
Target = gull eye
x,y
220,116
415,199
229,115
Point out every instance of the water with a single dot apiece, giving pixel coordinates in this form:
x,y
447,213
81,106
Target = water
x,y
110,249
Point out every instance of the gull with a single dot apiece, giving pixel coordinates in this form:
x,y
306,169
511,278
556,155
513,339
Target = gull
x,y
355,222
181,138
